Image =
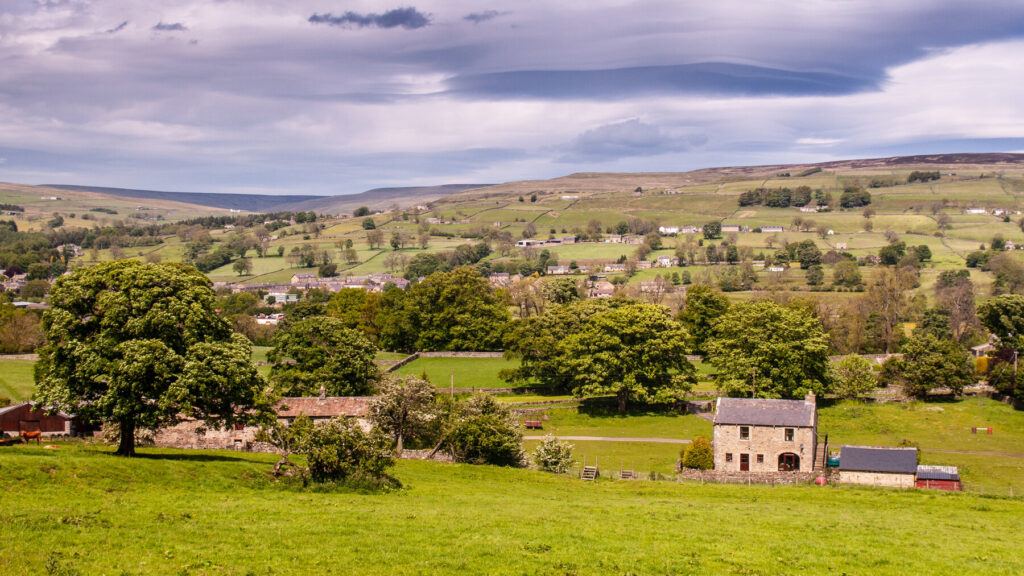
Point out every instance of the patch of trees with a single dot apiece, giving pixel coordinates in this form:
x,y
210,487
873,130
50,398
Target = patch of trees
x,y
104,211
923,176
854,197
776,197
11,208
809,171
321,353
425,264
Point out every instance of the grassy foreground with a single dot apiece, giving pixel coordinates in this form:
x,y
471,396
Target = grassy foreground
x,y
79,510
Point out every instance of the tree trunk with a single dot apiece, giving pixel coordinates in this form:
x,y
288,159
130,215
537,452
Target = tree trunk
x,y
398,448
127,444
623,398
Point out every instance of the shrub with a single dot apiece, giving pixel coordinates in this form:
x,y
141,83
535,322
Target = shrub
x,y
698,454
852,376
553,455
340,449
485,433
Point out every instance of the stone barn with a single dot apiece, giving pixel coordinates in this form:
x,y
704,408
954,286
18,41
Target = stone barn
x,y
758,436
318,408
29,417
878,466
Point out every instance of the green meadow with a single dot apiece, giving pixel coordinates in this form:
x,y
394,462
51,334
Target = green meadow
x,y
79,510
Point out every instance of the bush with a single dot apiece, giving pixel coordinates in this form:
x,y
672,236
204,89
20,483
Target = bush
x,y
486,433
698,454
339,450
553,455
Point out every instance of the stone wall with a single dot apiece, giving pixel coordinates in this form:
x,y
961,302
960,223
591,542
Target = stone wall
x,y
461,354
767,441
877,479
735,477
186,435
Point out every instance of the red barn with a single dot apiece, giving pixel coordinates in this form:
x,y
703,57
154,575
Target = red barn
x,y
939,478
26,416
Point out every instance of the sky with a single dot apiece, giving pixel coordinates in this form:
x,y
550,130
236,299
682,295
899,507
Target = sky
x,y
332,97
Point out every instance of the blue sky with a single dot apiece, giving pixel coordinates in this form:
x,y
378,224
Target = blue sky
x,y
329,97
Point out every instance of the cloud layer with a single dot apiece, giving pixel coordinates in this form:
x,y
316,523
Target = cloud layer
x,y
290,98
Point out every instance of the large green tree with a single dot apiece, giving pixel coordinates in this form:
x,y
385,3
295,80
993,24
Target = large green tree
x,y
929,362
635,351
403,408
703,308
141,345
766,350
322,352
457,310
1003,316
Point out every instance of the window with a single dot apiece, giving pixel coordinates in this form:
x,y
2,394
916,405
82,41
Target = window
x,y
789,434
728,456
760,458
744,433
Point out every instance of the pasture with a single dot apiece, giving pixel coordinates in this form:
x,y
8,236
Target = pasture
x,y
79,510
17,381
468,372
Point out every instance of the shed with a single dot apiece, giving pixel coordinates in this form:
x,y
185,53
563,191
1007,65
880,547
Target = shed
x,y
28,416
939,478
878,466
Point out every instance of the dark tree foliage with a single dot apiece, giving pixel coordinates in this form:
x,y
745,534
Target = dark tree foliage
x,y
923,176
854,196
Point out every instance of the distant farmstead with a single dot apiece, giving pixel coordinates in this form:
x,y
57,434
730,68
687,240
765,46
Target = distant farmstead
x,y
758,435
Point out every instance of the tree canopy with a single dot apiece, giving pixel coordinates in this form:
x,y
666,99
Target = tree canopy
x,y
320,351
703,307
929,362
766,350
141,345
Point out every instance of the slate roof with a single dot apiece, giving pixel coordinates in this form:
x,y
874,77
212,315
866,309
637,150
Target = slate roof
x,y
761,412
938,473
878,459
328,407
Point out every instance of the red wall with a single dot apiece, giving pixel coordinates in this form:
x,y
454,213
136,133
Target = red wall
x,y
10,421
948,485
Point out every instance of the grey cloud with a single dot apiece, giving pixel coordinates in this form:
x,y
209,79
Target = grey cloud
x,y
118,28
408,18
702,78
172,27
478,17
626,139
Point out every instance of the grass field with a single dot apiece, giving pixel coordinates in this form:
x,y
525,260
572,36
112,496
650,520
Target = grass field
x,y
16,379
79,510
469,372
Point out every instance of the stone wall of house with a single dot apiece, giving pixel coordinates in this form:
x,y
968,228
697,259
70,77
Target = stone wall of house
x,y
736,477
768,441
877,479
186,435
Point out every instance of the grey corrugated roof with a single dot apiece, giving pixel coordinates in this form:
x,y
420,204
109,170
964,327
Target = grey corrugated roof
x,y
878,459
761,412
925,472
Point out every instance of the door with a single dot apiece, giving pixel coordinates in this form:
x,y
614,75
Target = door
x,y
789,462
744,462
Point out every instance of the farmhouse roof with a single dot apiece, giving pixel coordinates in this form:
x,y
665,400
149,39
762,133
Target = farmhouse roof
x,y
328,407
878,459
925,472
32,406
762,412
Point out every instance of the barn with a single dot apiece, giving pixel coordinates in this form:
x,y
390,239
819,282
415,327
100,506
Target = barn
x,y
878,466
28,417
939,478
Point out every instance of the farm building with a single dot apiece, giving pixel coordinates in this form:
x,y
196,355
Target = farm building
x,y
758,435
939,478
878,466
26,416
769,229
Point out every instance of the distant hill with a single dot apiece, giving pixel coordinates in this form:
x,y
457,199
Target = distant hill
x,y
250,202
378,198
373,199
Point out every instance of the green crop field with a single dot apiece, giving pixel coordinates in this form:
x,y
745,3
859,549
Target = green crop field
x,y
79,510
17,381
469,372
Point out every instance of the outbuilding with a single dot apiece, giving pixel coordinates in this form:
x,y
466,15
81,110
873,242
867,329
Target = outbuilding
x,y
878,466
939,478
29,417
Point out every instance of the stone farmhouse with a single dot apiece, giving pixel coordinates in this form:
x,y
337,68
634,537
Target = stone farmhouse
x,y
878,466
760,436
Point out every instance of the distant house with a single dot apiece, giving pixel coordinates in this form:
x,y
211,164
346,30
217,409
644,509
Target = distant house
x,y
616,267
570,197
975,211
601,289
770,229
303,280
558,270
730,228
269,319
28,416
613,239
666,261
759,435
878,466
840,245
1010,245
644,264
939,478
808,208
275,298
499,279
526,242
982,350
668,229
776,269
689,229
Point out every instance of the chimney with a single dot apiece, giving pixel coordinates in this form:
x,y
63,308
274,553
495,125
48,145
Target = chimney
x,y
810,398
323,392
